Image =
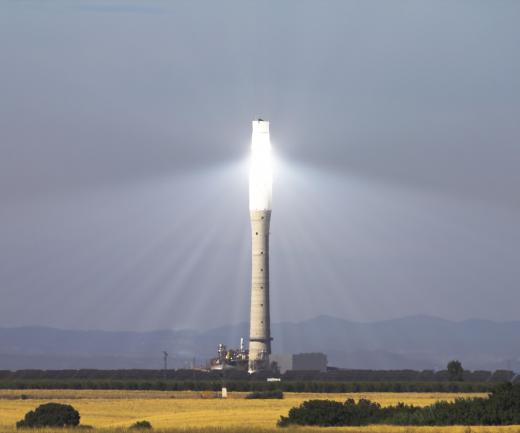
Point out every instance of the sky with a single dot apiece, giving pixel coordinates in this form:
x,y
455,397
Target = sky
x,y
124,139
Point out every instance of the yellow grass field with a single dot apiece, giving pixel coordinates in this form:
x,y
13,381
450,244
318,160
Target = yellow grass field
x,y
201,412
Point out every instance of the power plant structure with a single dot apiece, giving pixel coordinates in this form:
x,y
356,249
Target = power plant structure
x,y
260,192
257,357
230,358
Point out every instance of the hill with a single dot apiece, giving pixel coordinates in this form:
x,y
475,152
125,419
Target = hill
x,y
419,342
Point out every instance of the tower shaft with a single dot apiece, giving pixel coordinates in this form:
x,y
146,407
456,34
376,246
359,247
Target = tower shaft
x,y
260,326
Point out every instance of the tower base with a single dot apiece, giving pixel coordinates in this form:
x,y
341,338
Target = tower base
x,y
260,327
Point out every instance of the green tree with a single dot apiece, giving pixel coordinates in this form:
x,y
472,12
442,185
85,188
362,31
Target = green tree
x,y
455,370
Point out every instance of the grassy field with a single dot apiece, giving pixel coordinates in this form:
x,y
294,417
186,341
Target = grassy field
x,y
201,411
245,428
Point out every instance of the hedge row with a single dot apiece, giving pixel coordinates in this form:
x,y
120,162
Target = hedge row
x,y
501,408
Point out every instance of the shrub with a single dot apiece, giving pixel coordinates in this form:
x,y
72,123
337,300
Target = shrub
x,y
275,393
50,415
315,412
141,425
360,413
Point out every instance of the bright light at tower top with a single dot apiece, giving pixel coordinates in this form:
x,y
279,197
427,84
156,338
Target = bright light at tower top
x,y
261,169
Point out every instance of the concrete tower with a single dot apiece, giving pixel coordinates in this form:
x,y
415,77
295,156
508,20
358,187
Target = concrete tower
x,y
260,187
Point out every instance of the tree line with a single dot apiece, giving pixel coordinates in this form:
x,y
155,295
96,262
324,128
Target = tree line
x,y
246,386
454,372
453,379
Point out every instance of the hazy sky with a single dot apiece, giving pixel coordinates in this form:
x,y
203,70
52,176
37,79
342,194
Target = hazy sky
x,y
124,134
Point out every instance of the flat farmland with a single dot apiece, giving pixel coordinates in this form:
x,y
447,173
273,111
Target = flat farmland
x,y
199,411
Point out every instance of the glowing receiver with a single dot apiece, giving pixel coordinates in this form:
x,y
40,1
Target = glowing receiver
x,y
261,169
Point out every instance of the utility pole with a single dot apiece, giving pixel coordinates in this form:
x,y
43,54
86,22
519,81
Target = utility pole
x,y
165,359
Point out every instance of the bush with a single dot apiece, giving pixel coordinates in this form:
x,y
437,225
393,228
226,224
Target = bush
x,y
501,408
328,413
324,413
275,393
50,415
141,425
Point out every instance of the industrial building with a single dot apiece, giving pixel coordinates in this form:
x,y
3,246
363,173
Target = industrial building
x,y
301,361
309,361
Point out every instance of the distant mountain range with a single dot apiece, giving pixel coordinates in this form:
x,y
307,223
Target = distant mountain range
x,y
418,342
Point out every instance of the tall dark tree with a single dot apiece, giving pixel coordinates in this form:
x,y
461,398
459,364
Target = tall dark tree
x,y
455,370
